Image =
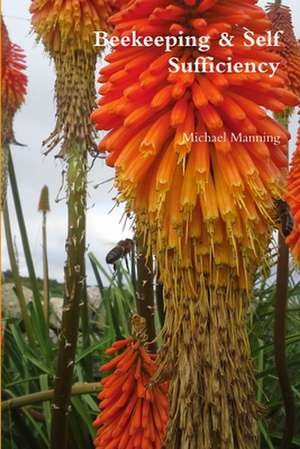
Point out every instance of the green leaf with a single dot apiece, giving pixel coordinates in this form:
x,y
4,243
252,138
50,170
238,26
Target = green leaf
x,y
83,411
265,435
98,346
46,404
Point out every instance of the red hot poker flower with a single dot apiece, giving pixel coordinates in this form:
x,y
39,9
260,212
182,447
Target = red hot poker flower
x,y
14,82
281,18
133,414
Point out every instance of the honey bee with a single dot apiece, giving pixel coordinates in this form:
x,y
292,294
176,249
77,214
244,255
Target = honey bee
x,y
122,248
284,217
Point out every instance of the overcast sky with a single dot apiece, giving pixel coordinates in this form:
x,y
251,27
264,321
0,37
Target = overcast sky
x,y
33,124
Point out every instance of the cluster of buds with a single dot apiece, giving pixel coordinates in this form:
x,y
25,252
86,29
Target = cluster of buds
x,y
133,413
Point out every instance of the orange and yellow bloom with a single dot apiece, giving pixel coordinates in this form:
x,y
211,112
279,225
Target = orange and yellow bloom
x,y
13,92
14,82
205,207
65,25
223,190
66,28
281,18
133,413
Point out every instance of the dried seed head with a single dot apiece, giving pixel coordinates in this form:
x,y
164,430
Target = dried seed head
x,y
44,200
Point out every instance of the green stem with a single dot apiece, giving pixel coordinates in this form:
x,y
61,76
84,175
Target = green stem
x,y
74,281
281,301
45,270
145,296
84,313
47,395
160,302
24,237
16,276
280,327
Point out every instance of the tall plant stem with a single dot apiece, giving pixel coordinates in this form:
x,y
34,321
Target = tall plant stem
x,y
281,300
160,302
84,314
74,282
24,237
16,276
47,395
145,294
280,327
45,270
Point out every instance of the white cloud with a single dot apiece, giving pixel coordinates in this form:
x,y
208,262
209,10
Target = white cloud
x,y
33,124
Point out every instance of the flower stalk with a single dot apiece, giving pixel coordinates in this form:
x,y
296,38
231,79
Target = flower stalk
x,y
280,329
44,208
145,293
279,336
67,34
47,395
16,275
74,284
25,240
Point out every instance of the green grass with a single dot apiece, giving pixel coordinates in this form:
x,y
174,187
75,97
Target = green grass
x,y
31,369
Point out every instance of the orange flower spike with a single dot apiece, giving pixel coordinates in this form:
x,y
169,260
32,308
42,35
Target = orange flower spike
x,y
281,18
65,23
203,207
13,92
126,420
14,83
67,30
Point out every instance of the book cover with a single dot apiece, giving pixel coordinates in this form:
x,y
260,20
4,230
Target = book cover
x,y
150,207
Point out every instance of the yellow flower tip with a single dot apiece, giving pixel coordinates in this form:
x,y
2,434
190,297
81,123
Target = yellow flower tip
x,y
44,205
69,25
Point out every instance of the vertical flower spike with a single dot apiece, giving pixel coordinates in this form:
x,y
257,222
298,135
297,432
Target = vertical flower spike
x,y
133,414
281,18
13,91
205,208
293,200
66,27
14,83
